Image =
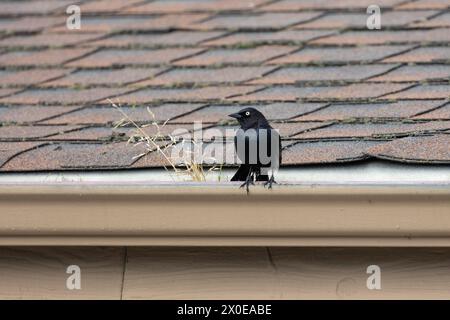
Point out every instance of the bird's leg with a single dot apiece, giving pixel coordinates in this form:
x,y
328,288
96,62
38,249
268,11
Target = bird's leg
x,y
248,181
270,182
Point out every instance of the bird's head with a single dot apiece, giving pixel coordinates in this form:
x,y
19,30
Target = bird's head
x,y
250,118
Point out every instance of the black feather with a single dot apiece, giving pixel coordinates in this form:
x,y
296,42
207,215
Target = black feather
x,y
253,125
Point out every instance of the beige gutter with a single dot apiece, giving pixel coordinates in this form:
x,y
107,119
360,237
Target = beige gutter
x,y
223,215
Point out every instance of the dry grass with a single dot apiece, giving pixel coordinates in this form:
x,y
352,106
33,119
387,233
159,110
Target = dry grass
x,y
186,165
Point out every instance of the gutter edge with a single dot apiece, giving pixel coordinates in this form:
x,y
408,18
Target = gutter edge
x,y
225,216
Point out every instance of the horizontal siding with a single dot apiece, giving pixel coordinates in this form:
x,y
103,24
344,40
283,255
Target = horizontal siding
x,y
223,273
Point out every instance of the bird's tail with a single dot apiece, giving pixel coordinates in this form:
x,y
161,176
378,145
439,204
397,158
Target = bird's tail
x,y
241,174
244,170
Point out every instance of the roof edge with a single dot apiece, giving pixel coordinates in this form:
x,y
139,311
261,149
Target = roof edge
x,y
225,216
369,172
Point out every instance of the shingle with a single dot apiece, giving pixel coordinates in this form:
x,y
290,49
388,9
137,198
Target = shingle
x,y
416,73
274,111
286,129
423,92
8,92
278,94
92,134
114,24
48,40
162,130
27,114
9,149
431,149
175,38
185,95
277,37
326,152
425,4
399,109
200,75
197,131
29,24
104,77
340,55
439,21
440,113
256,22
218,133
235,56
337,21
290,129
122,134
206,153
324,78
32,132
159,135
386,37
375,130
153,160
33,7
75,157
62,96
361,91
109,58
109,6
349,92
226,133
42,58
108,115
428,54
339,73
290,5
29,77
359,20
181,6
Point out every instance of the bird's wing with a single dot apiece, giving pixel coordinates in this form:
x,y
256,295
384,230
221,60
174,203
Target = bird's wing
x,y
251,142
246,144
281,150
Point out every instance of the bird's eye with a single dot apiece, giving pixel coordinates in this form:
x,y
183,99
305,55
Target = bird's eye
x,y
247,113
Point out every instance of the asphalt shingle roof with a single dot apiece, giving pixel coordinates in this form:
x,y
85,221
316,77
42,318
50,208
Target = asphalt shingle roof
x,y
337,91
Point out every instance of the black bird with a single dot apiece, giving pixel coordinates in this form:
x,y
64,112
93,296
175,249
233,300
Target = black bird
x,y
258,147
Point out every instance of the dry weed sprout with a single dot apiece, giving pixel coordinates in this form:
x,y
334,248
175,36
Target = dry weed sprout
x,y
158,142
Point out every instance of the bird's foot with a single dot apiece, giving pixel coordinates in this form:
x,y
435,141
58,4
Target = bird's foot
x,y
249,181
247,184
269,183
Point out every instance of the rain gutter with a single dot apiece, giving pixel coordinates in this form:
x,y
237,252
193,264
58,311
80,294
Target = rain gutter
x,y
372,204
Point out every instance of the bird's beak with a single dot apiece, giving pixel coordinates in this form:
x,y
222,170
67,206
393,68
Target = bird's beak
x,y
235,115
